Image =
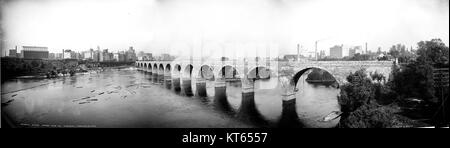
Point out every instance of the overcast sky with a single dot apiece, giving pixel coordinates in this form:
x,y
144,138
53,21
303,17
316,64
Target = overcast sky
x,y
228,27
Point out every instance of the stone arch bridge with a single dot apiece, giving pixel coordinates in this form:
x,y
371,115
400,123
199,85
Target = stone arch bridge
x,y
277,78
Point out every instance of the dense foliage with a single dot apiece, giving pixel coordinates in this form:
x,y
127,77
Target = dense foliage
x,y
416,78
357,92
364,103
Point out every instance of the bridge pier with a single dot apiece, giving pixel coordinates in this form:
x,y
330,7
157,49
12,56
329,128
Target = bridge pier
x,y
148,73
161,78
248,112
289,117
220,97
176,84
187,87
168,82
155,78
155,74
201,87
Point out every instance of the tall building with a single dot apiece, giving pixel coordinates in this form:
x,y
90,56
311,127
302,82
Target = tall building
x,y
51,56
97,56
105,56
354,50
13,53
336,51
130,54
367,52
142,56
322,54
34,52
73,55
67,54
119,57
59,56
89,55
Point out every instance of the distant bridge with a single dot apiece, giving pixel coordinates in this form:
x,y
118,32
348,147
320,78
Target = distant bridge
x,y
275,78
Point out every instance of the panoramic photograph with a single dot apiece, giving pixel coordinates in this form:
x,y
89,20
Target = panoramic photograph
x,y
224,64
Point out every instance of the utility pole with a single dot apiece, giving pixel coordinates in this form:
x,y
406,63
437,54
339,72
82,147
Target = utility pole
x,y
366,49
315,52
268,56
298,52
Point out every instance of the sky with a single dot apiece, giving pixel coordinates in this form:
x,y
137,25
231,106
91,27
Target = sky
x,y
221,27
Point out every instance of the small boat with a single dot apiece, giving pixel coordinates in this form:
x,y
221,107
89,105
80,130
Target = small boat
x,y
331,116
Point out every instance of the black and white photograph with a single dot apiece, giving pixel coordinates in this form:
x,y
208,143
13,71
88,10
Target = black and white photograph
x,y
226,64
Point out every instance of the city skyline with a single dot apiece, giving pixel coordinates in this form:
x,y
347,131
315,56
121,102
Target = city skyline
x,y
247,27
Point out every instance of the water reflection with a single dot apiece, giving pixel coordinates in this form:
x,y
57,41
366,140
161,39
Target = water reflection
x,y
315,101
127,98
112,98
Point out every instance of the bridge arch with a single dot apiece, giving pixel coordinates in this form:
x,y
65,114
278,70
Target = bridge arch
x,y
167,69
309,92
161,73
150,68
176,74
265,89
260,73
206,72
168,76
155,73
264,78
228,94
187,72
228,72
187,80
177,67
296,77
205,81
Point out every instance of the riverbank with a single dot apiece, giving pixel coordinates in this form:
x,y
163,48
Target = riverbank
x,y
18,68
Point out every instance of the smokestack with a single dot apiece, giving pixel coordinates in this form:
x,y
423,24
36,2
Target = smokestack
x,y
366,48
268,56
298,52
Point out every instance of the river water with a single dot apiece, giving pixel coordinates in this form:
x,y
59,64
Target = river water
x,y
128,98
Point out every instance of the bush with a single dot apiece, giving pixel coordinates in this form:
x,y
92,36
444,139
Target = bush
x,y
368,116
377,77
357,92
384,94
415,80
359,111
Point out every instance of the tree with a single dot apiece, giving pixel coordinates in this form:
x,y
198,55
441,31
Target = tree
x,y
34,63
377,77
394,52
357,92
369,116
359,111
416,78
433,52
360,57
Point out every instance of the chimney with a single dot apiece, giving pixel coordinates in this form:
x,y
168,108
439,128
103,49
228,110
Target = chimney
x,y
298,52
366,48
